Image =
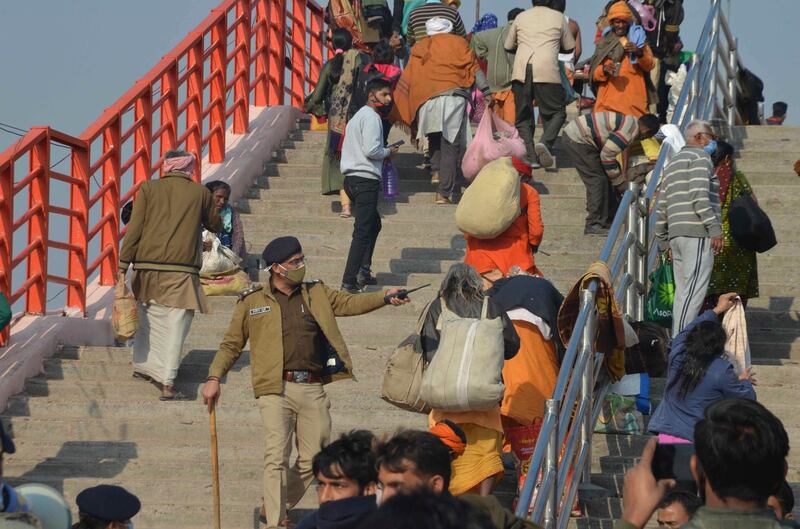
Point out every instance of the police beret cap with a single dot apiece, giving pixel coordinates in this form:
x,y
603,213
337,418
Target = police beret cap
x,y
108,503
280,249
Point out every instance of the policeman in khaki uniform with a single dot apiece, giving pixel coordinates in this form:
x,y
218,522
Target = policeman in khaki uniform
x,y
295,348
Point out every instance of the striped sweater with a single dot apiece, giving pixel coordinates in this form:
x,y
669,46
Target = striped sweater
x,y
610,133
688,205
419,16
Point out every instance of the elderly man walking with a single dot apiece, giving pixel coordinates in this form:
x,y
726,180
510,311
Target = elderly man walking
x,y
163,245
688,222
537,36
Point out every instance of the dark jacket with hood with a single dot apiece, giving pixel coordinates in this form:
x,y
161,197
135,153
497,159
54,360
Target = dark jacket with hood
x,y
340,514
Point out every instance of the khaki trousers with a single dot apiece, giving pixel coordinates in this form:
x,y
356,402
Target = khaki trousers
x,y
302,410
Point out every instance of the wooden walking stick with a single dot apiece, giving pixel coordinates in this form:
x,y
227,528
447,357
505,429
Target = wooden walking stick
x,y
215,467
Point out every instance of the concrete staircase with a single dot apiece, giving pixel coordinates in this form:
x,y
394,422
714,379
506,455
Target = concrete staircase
x,y
766,156
86,421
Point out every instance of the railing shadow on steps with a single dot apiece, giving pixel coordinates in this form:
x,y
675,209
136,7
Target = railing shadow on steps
x,y
561,461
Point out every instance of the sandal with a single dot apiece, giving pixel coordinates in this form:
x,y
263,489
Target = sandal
x,y
142,376
346,213
167,393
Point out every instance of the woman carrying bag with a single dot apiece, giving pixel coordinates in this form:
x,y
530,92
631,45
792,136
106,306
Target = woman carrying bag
x,y
735,268
332,98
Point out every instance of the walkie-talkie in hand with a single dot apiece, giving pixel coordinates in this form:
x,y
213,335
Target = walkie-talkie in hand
x,y
403,294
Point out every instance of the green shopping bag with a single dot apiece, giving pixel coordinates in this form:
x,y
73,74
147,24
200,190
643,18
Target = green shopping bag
x,y
661,295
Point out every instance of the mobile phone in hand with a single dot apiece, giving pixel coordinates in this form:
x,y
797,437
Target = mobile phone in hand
x,y
397,144
673,461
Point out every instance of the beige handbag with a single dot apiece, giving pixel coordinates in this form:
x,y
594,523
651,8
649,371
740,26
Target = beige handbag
x,y
124,312
402,377
466,373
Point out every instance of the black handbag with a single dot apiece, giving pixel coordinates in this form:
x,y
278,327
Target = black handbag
x,y
750,226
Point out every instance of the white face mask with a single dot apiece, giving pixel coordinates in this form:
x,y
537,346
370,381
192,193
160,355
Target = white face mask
x,y
378,496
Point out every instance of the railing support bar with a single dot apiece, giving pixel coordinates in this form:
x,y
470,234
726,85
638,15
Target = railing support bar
x,y
551,466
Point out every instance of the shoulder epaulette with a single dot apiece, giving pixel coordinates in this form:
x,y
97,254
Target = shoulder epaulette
x,y
253,288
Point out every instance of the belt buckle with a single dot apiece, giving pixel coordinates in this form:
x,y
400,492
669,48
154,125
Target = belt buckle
x,y
301,377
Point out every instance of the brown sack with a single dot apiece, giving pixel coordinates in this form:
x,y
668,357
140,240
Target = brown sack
x,y
124,312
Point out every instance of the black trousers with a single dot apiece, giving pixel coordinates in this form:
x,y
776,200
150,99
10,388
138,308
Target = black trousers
x,y
550,97
446,158
601,198
364,194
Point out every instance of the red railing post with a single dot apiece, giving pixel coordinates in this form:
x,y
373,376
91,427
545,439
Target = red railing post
x,y
6,233
169,110
298,39
39,203
143,137
217,89
78,231
241,70
261,72
315,48
109,235
194,101
277,52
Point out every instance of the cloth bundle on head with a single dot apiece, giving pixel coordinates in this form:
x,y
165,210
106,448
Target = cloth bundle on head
x,y
280,249
487,21
620,11
179,163
452,435
437,26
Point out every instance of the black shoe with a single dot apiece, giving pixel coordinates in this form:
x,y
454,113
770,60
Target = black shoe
x,y
351,289
595,229
365,278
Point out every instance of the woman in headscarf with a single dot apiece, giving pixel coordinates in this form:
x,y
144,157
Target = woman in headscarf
x,y
232,234
432,96
620,66
478,468
735,269
332,97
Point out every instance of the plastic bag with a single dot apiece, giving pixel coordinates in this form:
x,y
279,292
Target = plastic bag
x,y
619,415
477,106
124,312
661,295
737,347
390,181
220,259
494,139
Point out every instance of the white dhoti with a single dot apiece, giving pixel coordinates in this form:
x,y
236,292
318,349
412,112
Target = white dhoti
x,y
159,340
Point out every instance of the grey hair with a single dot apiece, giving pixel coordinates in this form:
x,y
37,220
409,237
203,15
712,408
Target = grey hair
x,y
696,126
462,290
176,154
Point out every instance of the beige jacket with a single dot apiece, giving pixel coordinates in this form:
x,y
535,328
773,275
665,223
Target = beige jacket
x,y
537,36
257,317
164,231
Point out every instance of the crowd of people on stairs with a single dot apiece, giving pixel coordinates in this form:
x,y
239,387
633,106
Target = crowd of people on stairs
x,y
491,340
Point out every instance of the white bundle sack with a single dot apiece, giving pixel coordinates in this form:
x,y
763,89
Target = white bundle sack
x,y
219,259
737,347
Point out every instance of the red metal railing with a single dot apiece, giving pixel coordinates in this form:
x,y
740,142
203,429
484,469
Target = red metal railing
x,y
235,58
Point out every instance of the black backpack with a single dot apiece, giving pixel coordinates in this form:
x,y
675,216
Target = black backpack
x,y
750,226
364,77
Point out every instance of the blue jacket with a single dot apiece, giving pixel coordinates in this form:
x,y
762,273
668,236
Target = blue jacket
x,y
677,416
340,514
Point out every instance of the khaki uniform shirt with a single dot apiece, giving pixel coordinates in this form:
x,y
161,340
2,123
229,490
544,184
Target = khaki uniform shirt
x,y
302,337
538,35
258,318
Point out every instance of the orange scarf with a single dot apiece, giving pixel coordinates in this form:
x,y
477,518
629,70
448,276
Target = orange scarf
x,y
438,64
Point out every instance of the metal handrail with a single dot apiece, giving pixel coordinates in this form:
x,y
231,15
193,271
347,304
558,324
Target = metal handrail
x,y
561,460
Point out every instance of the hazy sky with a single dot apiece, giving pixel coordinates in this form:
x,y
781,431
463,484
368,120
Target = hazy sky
x,y
64,61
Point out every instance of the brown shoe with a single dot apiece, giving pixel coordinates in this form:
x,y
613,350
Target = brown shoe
x,y
440,199
435,178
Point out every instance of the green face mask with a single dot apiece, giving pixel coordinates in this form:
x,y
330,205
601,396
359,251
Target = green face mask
x,y
295,276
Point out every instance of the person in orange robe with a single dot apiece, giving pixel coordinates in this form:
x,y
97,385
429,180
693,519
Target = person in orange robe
x,y
620,84
518,244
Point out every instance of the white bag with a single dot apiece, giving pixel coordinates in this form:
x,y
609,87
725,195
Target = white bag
x,y
737,347
466,371
491,203
219,259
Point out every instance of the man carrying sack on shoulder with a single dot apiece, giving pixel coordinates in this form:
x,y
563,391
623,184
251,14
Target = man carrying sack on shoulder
x,y
295,348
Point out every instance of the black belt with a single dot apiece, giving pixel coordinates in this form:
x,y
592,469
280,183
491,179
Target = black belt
x,y
302,377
